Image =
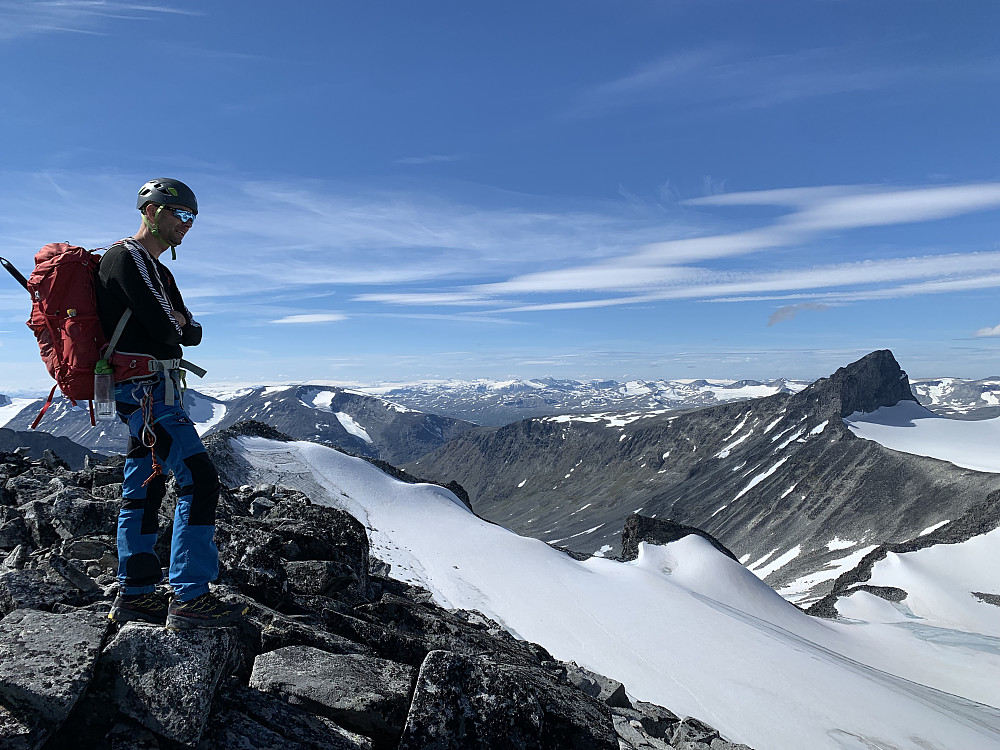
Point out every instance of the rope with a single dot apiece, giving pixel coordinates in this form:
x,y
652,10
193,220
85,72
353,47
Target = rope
x,y
147,435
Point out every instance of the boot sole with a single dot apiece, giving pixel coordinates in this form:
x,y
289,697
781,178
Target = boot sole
x,y
121,616
179,622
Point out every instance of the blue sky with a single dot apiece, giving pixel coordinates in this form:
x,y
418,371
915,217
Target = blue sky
x,y
393,191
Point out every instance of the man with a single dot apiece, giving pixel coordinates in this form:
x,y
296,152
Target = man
x,y
148,395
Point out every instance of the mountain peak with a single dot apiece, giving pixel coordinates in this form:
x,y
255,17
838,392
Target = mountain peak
x,y
873,381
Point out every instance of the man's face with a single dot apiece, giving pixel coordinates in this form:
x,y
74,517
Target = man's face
x,y
172,229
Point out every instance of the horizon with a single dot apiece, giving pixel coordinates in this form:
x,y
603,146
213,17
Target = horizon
x,y
657,191
224,390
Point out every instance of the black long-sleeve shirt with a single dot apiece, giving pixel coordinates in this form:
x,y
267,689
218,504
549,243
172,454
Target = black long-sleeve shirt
x,y
131,278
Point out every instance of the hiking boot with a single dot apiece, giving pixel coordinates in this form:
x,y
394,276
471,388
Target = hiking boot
x,y
205,611
151,607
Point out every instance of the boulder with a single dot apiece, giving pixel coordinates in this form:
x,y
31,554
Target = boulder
x,y
364,694
38,518
265,629
26,486
316,532
88,548
14,532
693,731
166,680
46,663
656,721
438,629
32,589
247,718
632,735
250,559
52,460
382,638
60,566
607,691
16,559
75,513
466,702
322,577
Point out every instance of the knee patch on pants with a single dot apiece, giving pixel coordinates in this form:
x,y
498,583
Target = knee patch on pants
x,y
204,489
143,569
149,505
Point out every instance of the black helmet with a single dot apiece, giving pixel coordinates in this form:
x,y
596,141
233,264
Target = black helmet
x,y
167,191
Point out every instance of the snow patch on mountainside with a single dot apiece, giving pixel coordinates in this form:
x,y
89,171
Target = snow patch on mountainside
x,y
348,423
800,590
10,410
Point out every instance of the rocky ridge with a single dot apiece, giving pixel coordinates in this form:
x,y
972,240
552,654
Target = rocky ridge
x,y
36,443
333,652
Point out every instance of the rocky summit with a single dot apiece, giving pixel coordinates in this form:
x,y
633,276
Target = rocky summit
x,y
333,653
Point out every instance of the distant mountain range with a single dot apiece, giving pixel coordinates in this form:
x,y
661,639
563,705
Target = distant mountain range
x,y
358,423
400,423
955,397
496,403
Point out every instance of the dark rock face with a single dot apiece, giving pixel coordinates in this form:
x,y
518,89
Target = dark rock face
x,y
760,476
872,382
331,654
248,718
660,531
364,694
472,702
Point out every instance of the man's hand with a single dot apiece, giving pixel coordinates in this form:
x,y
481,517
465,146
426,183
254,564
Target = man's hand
x,y
181,320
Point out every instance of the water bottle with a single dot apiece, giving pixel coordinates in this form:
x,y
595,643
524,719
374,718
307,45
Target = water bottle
x,y
104,392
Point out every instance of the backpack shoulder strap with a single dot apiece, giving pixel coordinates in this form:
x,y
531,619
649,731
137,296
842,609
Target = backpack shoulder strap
x,y
113,342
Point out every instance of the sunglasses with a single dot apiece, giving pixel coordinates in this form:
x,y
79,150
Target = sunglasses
x,y
183,214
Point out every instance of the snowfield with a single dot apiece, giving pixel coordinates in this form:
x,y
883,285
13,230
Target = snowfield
x,y
910,428
685,627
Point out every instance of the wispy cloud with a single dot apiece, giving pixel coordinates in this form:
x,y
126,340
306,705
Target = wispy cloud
x,y
25,17
310,318
728,77
429,159
316,252
427,298
815,283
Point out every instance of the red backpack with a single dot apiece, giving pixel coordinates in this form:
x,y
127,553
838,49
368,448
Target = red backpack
x,y
64,319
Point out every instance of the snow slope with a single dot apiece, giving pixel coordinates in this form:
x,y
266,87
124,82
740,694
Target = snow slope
x,y
682,626
12,409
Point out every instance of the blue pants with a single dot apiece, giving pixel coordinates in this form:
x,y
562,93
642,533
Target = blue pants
x,y
194,558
